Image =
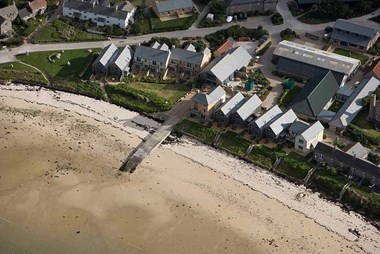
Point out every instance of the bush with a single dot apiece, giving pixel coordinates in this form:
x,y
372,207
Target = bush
x,y
136,100
359,135
277,19
339,144
288,34
13,42
263,50
374,158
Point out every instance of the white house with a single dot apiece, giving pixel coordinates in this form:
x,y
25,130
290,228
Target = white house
x,y
99,12
309,138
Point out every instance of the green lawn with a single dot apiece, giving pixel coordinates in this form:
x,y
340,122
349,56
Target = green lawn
x,y
366,126
294,166
204,132
234,143
363,58
328,183
336,106
59,31
262,155
171,92
288,96
182,23
59,69
20,72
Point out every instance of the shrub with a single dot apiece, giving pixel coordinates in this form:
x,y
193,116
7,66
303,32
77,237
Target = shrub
x,y
277,19
288,34
263,50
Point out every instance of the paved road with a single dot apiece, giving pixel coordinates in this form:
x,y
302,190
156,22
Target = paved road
x,y
179,111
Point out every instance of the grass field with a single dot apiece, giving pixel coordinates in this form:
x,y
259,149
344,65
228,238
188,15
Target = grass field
x,y
20,72
171,92
234,143
262,155
204,132
182,23
363,58
294,166
59,31
59,69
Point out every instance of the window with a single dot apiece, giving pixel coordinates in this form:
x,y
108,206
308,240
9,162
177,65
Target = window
x,y
188,65
300,141
300,147
154,63
138,59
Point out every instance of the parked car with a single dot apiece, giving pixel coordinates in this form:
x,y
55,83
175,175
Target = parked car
x,y
228,19
257,59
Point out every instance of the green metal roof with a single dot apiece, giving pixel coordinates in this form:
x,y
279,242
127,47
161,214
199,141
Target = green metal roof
x,y
314,96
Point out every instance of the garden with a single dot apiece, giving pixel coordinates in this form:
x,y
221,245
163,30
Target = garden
x,y
60,31
234,143
362,58
205,133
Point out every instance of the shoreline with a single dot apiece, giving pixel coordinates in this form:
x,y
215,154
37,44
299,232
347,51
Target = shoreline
x,y
324,213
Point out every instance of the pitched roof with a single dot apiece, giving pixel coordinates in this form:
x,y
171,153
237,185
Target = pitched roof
x,y
268,117
312,131
314,96
359,164
228,44
172,5
190,47
211,96
9,12
106,55
317,57
250,105
375,67
186,56
345,90
97,9
357,149
283,122
353,105
232,60
37,4
123,59
152,54
299,126
354,27
232,104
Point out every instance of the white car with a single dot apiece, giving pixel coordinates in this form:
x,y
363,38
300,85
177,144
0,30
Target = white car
x,y
228,19
257,59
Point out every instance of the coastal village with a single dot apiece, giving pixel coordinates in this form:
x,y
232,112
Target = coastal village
x,y
300,103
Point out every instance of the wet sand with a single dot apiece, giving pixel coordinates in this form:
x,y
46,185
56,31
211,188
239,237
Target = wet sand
x,y
60,191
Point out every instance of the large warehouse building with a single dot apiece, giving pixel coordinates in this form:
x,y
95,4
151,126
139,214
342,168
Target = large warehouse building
x,y
303,62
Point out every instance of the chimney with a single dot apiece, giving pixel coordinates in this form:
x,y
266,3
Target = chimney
x,y
372,107
116,7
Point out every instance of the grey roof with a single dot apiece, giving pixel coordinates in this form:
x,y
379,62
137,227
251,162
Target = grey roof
x,y
317,57
97,9
298,127
314,96
211,96
9,12
186,56
24,12
359,164
158,55
304,70
172,5
326,115
283,122
318,1
357,150
232,60
249,107
268,117
123,59
312,131
345,91
353,105
353,27
244,2
232,104
106,55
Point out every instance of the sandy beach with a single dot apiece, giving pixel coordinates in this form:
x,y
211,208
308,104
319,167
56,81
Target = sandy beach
x,y
61,192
